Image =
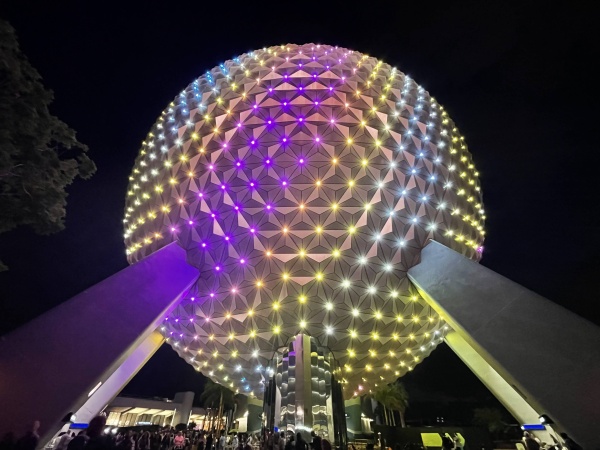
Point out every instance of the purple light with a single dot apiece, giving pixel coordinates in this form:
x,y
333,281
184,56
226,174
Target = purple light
x,y
213,215
239,125
300,88
284,103
268,161
238,164
300,119
236,207
268,207
212,295
242,261
270,89
301,160
223,187
252,142
284,183
314,75
173,229
252,230
224,145
330,88
269,122
203,245
285,76
252,184
211,167
191,222
332,121
193,298
217,268
176,320
227,238
317,103
255,106
318,139
200,194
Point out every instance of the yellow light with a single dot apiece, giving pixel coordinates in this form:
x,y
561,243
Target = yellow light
x,y
318,182
301,206
351,183
329,306
363,123
367,206
353,333
190,174
399,318
275,306
231,336
195,136
268,253
378,315
172,181
349,141
228,315
183,158
334,206
252,333
318,230
335,253
334,161
284,230
276,329
302,299
352,353
352,230
365,162
303,324
375,336
258,283
250,312
319,276
377,143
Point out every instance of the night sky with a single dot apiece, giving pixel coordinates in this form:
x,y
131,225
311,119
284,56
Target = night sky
x,y
518,80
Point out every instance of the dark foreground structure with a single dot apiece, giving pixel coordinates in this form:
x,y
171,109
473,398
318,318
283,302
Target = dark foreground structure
x,y
279,223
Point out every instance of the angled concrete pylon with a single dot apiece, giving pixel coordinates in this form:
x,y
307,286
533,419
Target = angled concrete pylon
x,y
535,356
78,356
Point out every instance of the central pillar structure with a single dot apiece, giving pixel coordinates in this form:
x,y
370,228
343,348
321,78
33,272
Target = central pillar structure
x,y
302,395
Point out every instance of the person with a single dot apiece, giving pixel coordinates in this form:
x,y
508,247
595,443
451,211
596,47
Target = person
x,y
289,445
63,442
325,444
282,440
78,442
447,442
201,441
143,442
222,442
300,442
530,442
30,440
97,440
570,443
316,441
179,441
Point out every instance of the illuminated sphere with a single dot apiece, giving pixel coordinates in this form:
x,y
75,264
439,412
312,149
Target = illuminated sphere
x,y
303,182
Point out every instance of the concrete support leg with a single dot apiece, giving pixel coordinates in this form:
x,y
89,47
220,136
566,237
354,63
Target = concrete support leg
x,y
516,340
49,367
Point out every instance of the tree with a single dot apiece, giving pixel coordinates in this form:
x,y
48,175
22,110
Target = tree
x,y
392,397
215,394
39,154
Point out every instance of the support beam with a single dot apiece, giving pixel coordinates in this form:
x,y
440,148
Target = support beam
x,y
549,356
50,365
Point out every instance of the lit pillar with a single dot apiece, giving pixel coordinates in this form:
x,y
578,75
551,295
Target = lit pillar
x,y
301,393
182,414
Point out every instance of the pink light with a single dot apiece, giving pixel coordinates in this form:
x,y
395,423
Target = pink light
x,y
252,142
252,184
301,160
300,119
284,139
173,229
239,125
212,295
227,238
213,215
224,145
255,106
332,121
236,207
191,222
284,103
242,261
203,245
252,230
269,207
211,167
223,187
234,290
317,103
284,183
200,194
330,88
217,268
318,139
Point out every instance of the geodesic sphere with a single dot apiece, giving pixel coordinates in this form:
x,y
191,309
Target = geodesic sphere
x,y
303,182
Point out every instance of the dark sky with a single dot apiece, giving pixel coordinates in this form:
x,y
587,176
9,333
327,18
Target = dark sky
x,y
519,80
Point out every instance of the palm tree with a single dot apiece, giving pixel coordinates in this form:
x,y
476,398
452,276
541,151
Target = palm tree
x,y
392,397
215,394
